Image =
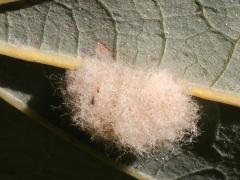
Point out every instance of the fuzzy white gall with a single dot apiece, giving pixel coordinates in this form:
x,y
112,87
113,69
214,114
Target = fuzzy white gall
x,y
138,110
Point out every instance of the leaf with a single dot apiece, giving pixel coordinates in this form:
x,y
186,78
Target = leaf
x,y
23,94
196,39
205,53
214,154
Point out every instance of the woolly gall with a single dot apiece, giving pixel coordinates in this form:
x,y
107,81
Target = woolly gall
x,y
138,110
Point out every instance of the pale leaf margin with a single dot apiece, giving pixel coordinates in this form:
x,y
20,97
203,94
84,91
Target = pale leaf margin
x,y
36,117
7,1
68,62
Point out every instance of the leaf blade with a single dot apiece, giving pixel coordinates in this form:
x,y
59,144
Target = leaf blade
x,y
202,51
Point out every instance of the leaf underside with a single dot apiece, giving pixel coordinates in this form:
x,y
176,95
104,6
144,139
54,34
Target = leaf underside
x,y
198,40
215,153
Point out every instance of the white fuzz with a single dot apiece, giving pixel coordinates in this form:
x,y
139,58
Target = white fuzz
x,y
138,110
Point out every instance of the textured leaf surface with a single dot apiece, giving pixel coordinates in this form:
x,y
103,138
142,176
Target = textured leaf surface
x,y
214,155
197,39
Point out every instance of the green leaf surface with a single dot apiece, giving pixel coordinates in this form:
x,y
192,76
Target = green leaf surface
x,y
197,39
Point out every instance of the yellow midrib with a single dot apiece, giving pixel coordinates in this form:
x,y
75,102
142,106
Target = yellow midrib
x,y
69,62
